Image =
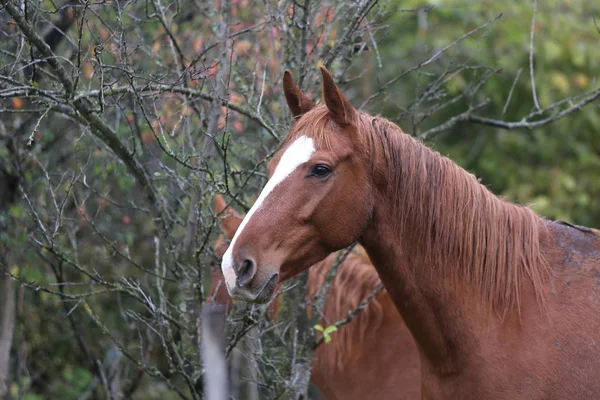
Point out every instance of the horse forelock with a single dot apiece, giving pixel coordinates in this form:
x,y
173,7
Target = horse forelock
x,y
316,124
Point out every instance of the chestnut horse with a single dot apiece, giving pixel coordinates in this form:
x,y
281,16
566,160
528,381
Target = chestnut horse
x,y
503,304
374,355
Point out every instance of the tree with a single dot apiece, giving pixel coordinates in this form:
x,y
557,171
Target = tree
x,y
122,120
526,123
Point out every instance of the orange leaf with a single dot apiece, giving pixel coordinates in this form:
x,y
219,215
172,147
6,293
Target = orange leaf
x,y
213,69
198,45
242,46
147,137
238,126
17,103
103,33
235,99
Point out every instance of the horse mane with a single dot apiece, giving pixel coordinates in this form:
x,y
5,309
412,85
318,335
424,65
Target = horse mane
x,y
354,281
495,244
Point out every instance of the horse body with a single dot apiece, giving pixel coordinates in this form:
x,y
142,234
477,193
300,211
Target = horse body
x,y
468,353
502,303
374,355
573,333
523,325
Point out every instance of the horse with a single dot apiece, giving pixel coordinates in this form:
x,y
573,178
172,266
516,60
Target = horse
x,y
502,303
372,356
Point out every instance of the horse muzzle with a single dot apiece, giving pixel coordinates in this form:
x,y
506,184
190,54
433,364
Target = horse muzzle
x,y
260,294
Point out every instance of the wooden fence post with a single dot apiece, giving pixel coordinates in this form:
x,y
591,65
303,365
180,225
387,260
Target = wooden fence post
x,y
213,352
251,347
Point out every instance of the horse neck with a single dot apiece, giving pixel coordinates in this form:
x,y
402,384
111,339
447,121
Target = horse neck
x,y
452,254
423,304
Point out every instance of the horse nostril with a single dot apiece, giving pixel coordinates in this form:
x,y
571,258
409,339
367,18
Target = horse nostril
x,y
246,272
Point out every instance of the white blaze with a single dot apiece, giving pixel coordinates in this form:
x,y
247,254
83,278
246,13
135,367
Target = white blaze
x,y
297,154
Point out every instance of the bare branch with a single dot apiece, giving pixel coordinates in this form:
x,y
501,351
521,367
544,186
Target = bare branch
x,y
512,88
535,99
464,116
343,42
434,57
155,89
99,126
527,124
39,43
353,313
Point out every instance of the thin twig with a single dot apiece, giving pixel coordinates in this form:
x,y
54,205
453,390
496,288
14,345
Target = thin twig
x,y
155,89
512,88
525,124
435,56
353,313
464,116
535,99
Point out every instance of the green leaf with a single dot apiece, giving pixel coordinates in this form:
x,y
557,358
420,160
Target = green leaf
x,y
16,211
329,329
560,81
568,182
578,55
553,50
326,332
318,327
129,239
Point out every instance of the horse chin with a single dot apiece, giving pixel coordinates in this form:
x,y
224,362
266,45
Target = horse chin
x,y
264,294
268,290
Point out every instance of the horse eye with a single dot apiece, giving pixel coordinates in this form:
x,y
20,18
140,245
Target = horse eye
x,y
320,171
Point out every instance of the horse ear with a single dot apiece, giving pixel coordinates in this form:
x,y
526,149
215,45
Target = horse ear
x,y
231,218
338,105
298,102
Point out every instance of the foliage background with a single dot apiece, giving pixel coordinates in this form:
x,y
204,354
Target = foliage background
x,y
107,232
